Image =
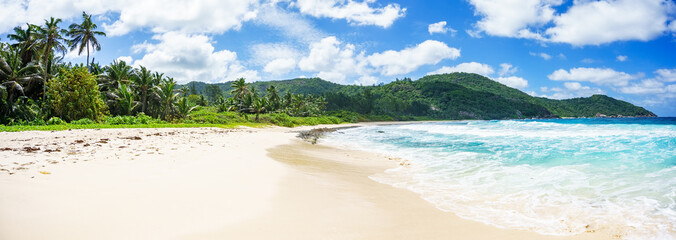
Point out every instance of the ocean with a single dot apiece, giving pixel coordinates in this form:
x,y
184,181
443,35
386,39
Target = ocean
x,y
554,177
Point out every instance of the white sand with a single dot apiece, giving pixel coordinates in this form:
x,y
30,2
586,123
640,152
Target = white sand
x,y
210,184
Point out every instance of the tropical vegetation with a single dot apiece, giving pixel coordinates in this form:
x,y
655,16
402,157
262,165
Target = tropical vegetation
x,y
37,88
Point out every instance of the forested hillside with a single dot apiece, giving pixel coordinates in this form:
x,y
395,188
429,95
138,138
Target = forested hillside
x,y
446,96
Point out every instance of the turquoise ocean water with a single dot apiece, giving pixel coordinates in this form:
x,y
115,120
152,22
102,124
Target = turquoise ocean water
x,y
555,177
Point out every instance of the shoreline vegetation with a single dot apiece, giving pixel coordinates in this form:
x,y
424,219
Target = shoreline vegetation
x,y
39,91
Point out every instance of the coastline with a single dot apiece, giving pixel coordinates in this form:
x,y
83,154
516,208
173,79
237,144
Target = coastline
x,y
213,183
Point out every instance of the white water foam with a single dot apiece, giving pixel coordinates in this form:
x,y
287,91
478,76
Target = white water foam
x,y
551,178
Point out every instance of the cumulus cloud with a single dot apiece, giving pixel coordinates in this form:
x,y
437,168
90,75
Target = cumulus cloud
x,y
469,67
515,82
333,60
584,23
439,27
407,60
622,58
598,22
600,76
277,58
188,57
199,16
127,59
290,24
666,75
359,13
513,18
648,86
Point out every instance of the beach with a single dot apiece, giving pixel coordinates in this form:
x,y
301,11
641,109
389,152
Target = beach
x,y
211,183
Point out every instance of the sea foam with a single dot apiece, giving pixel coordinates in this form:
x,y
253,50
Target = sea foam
x,y
554,177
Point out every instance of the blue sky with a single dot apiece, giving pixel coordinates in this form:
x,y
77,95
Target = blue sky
x,y
553,48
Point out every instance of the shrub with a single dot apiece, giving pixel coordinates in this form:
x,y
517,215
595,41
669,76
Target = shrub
x,y
55,121
84,121
74,94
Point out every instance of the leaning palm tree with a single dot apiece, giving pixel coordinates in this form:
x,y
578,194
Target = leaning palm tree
x,y
144,82
25,42
50,38
84,36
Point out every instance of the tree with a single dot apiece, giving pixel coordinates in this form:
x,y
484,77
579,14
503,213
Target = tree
x,y
274,102
144,81
19,79
115,73
258,106
25,42
50,38
74,95
125,99
213,91
84,36
167,96
239,91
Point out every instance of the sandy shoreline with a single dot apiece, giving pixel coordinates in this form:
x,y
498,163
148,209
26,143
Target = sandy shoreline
x,y
210,183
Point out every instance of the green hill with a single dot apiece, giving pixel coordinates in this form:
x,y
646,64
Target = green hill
x,y
446,96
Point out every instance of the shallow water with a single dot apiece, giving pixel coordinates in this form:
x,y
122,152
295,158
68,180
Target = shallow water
x,y
556,177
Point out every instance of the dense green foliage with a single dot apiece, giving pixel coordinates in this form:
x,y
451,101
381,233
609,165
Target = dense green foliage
x,y
446,96
37,89
74,94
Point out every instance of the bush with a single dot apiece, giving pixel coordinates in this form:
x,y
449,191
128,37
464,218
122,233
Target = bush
x,y
55,121
141,118
74,94
84,121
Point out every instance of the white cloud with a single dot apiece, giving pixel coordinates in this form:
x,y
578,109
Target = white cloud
x,y
571,90
359,13
544,56
584,23
622,58
126,59
512,18
601,76
277,58
588,60
572,85
647,86
598,22
191,58
666,75
515,82
333,60
290,24
407,60
469,67
439,27
507,69
367,80
280,66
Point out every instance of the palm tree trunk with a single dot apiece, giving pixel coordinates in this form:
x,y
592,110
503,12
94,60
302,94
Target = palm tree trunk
x,y
87,56
145,95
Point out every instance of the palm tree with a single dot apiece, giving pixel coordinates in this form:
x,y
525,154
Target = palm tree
x,y
50,38
183,107
144,81
125,99
239,91
84,35
25,41
115,73
16,77
273,98
258,106
167,96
